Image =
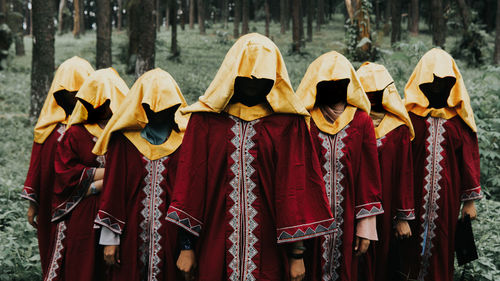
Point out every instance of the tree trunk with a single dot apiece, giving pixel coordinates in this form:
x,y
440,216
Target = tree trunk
x,y
414,17
310,11
167,16
60,18
191,14
201,16
119,18
76,18
244,16
82,16
225,13
268,16
350,9
17,27
363,26
377,14
103,34
464,12
496,56
158,16
183,16
296,26
237,16
146,52
320,6
283,16
174,50
387,13
3,11
42,62
438,23
396,21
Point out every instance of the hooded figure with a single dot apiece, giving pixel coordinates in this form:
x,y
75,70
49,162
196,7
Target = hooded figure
x,y
79,175
48,132
141,143
445,162
344,140
394,131
248,180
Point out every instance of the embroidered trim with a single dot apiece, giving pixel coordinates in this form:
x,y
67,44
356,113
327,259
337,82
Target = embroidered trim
x,y
305,231
405,214
105,219
368,210
472,194
242,238
29,194
433,176
57,254
332,244
101,159
152,215
184,220
78,194
380,141
61,129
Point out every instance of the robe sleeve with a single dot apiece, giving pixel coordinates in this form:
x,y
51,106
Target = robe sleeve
x,y
72,177
469,166
301,204
368,183
188,201
403,178
112,212
31,189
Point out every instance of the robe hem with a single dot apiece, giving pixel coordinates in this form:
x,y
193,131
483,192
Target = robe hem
x,y
31,196
471,194
405,214
184,220
306,231
110,222
368,210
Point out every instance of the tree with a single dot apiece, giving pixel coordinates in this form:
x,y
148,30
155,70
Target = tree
x,y
268,16
42,62
310,12
296,25
414,17
183,15
320,7
225,12
396,21
78,23
158,16
147,28
244,16
119,17
438,23
103,34
191,14
496,58
201,16
237,16
60,16
173,16
17,19
283,16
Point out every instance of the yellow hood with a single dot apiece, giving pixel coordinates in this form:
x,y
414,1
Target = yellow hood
x,y
440,63
252,55
102,85
332,66
159,90
375,77
69,76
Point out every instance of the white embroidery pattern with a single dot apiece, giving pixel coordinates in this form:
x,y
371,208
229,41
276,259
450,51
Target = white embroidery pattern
x,y
101,159
61,128
433,170
333,144
243,239
380,141
152,215
57,255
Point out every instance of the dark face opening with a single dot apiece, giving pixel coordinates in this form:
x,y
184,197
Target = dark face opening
x,y
251,91
160,124
66,100
99,114
438,91
330,93
376,100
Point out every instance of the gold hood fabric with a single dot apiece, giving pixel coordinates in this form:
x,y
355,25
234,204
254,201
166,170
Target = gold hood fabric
x,y
375,77
252,55
332,66
440,63
160,91
102,85
69,76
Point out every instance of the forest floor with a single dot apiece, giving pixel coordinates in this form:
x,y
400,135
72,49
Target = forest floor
x,y
195,68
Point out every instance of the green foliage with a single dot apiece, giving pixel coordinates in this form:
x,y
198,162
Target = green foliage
x,y
353,41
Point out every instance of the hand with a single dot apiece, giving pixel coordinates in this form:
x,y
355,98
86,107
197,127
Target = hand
x,y
403,229
297,269
469,208
98,185
186,263
112,255
99,174
361,246
33,214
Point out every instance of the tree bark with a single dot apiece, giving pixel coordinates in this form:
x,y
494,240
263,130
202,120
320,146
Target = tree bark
x,y
237,16
438,23
17,27
310,11
60,18
201,16
396,21
414,17
296,26
496,57
147,28
388,5
158,16
350,9
320,7
191,14
119,18
377,14
103,34
283,16
82,16
42,62
464,12
244,16
225,12
77,18
268,16
167,16
174,50
183,15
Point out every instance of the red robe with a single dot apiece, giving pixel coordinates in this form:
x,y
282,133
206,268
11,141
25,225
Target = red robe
x,y
134,202
352,181
396,167
74,254
446,172
244,188
38,188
